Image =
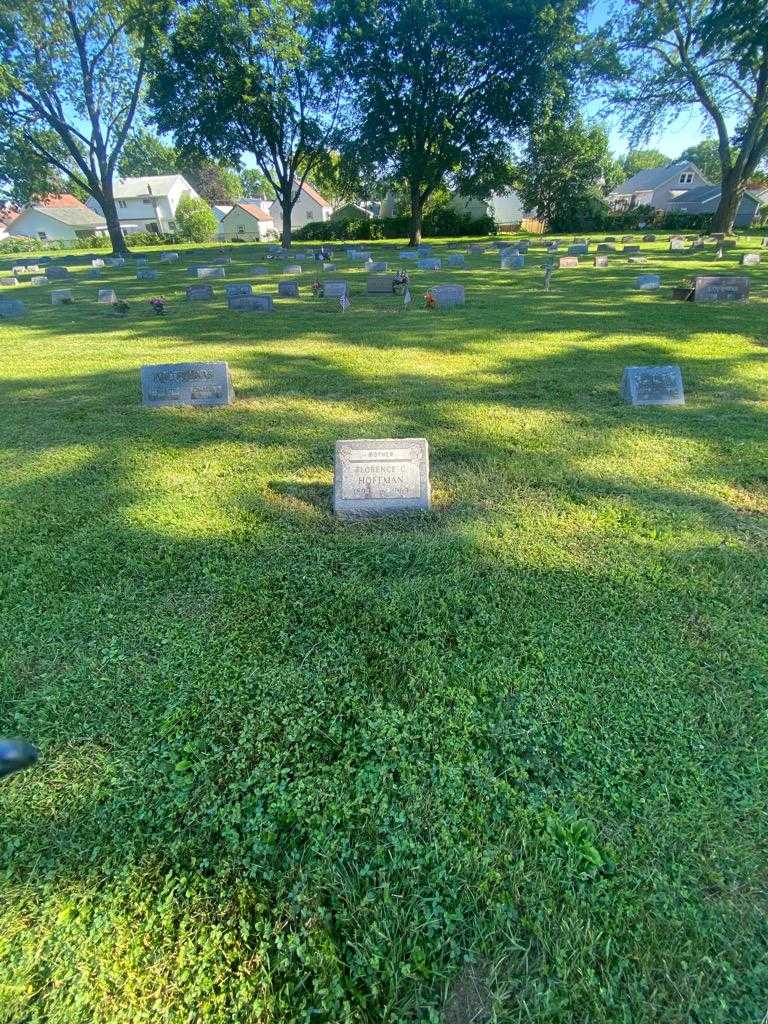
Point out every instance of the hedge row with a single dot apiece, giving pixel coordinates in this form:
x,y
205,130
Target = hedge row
x,y
441,223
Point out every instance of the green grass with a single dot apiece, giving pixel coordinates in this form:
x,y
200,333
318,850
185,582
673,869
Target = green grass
x,y
502,762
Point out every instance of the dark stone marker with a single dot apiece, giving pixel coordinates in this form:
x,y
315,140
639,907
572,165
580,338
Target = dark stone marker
x,y
234,291
652,385
10,308
631,250
288,289
381,477
186,384
721,289
56,273
578,249
252,303
199,293
380,284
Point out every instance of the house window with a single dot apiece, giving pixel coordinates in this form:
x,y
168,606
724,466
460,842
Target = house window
x,y
42,235
686,179
241,229
147,202
122,203
309,215
172,225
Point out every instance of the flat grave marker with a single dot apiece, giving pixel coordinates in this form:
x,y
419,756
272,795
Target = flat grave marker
x,y
652,385
600,261
376,267
428,263
383,476
196,384
10,308
210,272
447,295
456,261
721,289
57,273
335,289
145,274
8,282
199,293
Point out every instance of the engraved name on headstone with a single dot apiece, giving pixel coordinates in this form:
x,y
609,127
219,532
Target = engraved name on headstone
x,y
335,289
233,291
288,289
721,289
447,295
652,385
381,477
199,293
648,282
186,384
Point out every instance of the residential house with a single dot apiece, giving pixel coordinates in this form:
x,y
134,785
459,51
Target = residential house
x,y
351,211
148,203
658,187
310,206
247,222
505,208
56,219
7,214
220,211
706,200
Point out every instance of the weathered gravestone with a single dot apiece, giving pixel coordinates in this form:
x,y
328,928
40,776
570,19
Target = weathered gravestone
x,y
456,261
97,263
411,254
259,271
649,238
38,281
578,249
380,284
145,274
721,289
512,261
329,267
8,282
676,245
358,256
627,238
10,308
288,289
378,477
447,295
600,261
631,250
56,273
428,264
652,385
107,296
142,261
61,296
565,262
199,292
169,257
186,384
606,247
210,272
252,303
335,289
115,261
476,250
764,243
376,267
648,282
750,259
222,261
234,291
293,268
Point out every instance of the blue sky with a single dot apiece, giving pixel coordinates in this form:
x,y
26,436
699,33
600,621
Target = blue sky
x,y
686,131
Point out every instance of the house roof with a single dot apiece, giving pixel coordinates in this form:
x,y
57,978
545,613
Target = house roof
x,y
152,184
76,216
314,194
705,196
255,211
7,216
652,177
59,202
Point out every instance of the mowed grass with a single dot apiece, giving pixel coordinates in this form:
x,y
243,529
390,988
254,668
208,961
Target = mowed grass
x,y
501,762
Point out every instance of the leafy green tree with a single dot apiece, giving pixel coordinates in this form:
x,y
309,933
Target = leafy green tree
x,y
263,87
709,54
71,79
706,156
563,173
212,181
195,219
441,86
144,154
25,176
643,160
254,183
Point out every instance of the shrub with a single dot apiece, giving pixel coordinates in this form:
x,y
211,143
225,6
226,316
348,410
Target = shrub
x,y
439,223
196,220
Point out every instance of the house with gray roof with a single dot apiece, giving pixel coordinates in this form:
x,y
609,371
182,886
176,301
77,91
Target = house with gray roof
x,y
706,200
657,186
55,219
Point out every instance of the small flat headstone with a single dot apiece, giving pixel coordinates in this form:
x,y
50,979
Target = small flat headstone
x,y
61,296
292,268
328,267
652,385
476,250
97,263
566,262
56,273
380,284
8,282
610,238
222,261
197,384
199,293
721,289
236,291
385,476
358,256
627,238
648,282
637,259
428,264
115,261
512,261
750,259
600,261
211,272
649,238
107,296
376,267
145,274
252,303
288,289
10,308
455,261
447,295
335,289
142,261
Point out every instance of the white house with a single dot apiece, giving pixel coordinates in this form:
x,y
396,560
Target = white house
x,y
149,203
658,187
57,218
248,222
310,206
7,214
505,207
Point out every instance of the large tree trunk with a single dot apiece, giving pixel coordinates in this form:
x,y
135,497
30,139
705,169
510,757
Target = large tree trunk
x,y
286,235
417,207
730,199
109,209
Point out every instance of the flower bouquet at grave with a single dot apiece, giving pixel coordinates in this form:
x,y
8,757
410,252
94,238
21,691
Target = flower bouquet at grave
x,y
684,290
158,305
400,282
68,301
120,307
431,301
317,289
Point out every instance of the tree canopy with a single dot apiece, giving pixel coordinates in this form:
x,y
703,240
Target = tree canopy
x,y
144,154
643,159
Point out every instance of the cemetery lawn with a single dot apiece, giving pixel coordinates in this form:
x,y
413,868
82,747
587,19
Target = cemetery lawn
x,y
504,761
